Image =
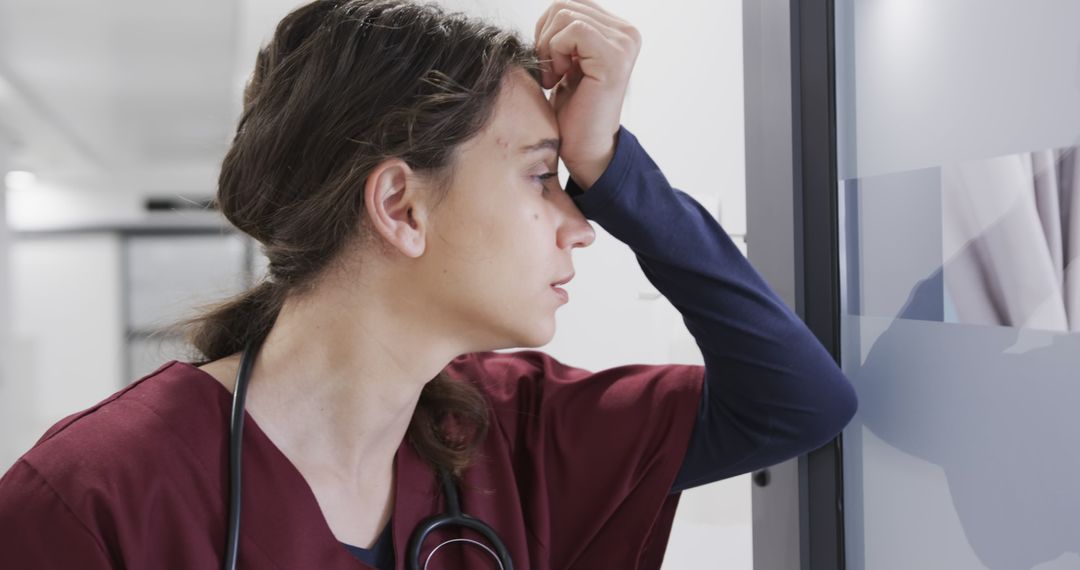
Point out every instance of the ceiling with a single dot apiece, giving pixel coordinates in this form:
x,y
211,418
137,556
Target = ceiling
x,y
125,94
140,96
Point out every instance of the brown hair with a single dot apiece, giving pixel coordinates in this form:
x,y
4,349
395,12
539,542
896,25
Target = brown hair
x,y
342,86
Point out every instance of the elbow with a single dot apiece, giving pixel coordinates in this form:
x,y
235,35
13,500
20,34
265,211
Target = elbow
x,y
838,411
847,404
820,420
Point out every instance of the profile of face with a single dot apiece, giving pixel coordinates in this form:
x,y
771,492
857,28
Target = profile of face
x,y
505,231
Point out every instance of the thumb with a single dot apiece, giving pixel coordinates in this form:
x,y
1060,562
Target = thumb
x,y
565,88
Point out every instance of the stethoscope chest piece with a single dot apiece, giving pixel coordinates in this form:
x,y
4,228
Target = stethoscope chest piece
x,y
454,517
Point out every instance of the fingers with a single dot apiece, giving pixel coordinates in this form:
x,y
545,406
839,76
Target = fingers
x,y
587,31
593,9
596,53
588,7
578,35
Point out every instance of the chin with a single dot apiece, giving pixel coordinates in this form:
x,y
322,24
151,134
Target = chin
x,y
538,336
545,336
529,328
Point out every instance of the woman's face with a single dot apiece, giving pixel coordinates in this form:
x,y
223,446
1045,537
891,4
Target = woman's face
x,y
505,232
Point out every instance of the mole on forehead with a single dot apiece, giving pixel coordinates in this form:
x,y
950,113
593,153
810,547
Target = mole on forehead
x,y
502,142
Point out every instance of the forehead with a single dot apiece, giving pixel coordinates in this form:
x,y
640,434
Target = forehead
x,y
522,116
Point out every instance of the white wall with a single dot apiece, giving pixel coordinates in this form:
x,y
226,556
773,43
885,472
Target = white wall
x,y
66,328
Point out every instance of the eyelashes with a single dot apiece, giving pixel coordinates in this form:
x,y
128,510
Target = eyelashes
x,y
543,178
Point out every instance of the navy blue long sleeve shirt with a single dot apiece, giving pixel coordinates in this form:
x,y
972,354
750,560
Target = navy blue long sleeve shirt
x,y
772,391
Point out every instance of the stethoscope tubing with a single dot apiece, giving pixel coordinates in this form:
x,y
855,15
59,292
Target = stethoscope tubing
x,y
236,441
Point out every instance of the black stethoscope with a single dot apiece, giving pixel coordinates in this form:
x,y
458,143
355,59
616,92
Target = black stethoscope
x,y
453,516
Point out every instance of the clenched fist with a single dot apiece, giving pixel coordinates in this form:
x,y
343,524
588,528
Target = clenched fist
x,y
589,54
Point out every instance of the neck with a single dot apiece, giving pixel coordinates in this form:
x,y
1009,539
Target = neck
x,y
337,380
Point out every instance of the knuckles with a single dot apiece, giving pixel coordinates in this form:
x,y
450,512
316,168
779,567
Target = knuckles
x,y
624,36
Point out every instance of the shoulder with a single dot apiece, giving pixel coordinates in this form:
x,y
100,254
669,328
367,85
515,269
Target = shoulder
x,y
608,442
536,384
165,421
111,482
504,375
518,378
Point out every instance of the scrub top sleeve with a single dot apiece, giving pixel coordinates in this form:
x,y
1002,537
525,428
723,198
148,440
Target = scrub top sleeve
x,y
772,391
595,452
38,530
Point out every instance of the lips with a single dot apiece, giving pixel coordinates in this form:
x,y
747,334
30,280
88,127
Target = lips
x,y
563,281
561,293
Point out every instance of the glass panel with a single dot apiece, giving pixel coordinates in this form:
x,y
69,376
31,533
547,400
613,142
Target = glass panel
x,y
924,82
959,201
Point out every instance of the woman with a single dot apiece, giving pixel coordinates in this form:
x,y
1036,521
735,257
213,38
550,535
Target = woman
x,y
398,166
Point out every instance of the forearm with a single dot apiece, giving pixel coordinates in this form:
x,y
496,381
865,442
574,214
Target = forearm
x,y
771,391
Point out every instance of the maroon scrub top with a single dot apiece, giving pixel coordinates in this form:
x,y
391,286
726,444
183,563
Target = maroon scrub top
x,y
575,472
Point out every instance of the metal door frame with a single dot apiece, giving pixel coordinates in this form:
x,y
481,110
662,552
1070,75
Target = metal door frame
x,y
792,221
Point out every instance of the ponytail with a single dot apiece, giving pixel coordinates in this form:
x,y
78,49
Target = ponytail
x,y
223,329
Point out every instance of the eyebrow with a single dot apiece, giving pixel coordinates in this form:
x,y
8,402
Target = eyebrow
x,y
544,144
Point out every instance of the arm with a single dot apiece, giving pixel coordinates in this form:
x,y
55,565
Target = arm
x,y
771,390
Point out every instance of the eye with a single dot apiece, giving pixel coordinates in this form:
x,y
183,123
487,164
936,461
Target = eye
x,y
543,178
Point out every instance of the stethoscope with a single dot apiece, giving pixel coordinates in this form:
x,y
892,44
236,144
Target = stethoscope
x,y
453,516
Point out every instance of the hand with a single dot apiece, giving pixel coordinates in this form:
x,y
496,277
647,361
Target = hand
x,y
591,56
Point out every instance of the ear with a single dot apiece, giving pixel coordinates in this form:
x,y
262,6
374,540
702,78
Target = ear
x,y
392,198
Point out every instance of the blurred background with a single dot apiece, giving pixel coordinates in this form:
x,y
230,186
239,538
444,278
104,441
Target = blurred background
x,y
114,118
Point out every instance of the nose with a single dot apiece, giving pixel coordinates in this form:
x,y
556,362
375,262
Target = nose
x,y
574,229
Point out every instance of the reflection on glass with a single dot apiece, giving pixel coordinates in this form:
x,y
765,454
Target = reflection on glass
x,y
964,452
961,336
1005,232
1012,240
